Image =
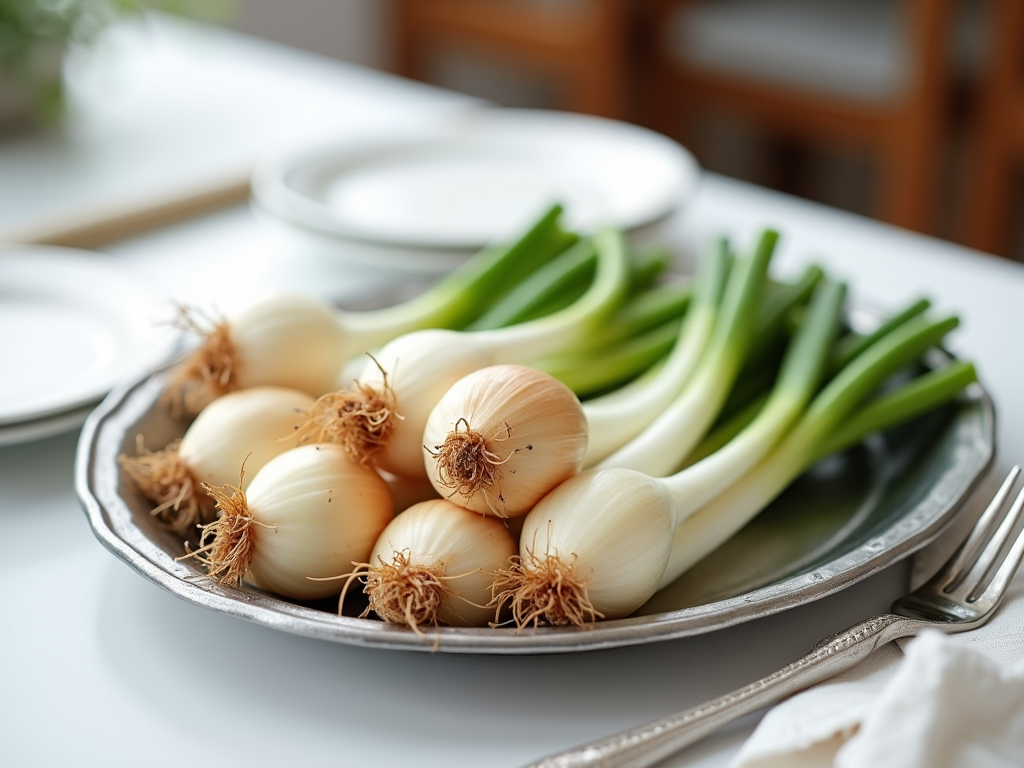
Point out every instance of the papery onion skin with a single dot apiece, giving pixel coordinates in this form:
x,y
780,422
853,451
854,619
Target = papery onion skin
x,y
419,367
532,427
459,545
249,425
614,526
289,340
318,512
406,492
243,428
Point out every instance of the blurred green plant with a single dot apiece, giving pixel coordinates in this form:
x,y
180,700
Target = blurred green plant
x,y
35,33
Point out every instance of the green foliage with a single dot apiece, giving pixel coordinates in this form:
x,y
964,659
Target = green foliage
x,y
34,34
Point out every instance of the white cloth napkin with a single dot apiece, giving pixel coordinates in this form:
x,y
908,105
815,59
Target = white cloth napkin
x,y
934,701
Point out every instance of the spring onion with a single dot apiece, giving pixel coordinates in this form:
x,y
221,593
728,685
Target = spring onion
x,y
663,444
616,418
637,337
593,548
307,515
854,343
802,370
714,522
585,535
502,437
591,374
297,341
431,565
552,287
251,425
736,385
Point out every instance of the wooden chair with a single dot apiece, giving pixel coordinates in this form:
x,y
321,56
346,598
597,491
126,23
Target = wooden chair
x,y
820,72
578,46
997,152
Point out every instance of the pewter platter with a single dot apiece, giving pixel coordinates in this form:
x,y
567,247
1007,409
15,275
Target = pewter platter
x,y
849,517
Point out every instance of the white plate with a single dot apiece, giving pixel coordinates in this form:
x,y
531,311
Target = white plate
x,y
48,426
71,326
462,183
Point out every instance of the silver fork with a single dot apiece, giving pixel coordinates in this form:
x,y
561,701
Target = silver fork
x,y
961,596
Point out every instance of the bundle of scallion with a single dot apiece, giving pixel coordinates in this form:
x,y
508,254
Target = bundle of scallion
x,y
225,430
658,360
602,542
666,440
841,415
617,495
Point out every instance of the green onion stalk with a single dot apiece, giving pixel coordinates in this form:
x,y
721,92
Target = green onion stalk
x,y
637,337
297,341
616,418
802,371
380,418
664,442
837,417
603,541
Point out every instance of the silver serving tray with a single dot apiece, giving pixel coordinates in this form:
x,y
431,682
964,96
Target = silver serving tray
x,y
849,517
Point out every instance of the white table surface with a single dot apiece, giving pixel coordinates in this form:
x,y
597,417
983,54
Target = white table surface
x,y
98,667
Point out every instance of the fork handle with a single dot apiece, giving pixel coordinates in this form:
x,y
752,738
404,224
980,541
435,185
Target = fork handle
x,y
649,744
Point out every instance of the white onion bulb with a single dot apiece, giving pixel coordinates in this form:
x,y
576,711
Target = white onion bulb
x,y
380,418
287,340
595,547
405,492
249,425
307,517
502,437
434,564
252,425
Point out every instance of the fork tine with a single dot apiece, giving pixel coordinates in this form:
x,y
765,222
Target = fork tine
x,y
1001,579
989,557
954,573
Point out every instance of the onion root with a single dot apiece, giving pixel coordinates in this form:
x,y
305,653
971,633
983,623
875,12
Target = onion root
x,y
211,370
403,592
163,478
543,591
228,555
360,419
467,466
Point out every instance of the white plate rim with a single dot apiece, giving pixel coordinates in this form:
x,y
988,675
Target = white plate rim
x,y
272,192
48,426
110,292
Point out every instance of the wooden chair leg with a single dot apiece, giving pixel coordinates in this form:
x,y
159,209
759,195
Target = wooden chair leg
x,y
406,53
987,195
909,177
997,145
600,71
585,52
911,161
598,86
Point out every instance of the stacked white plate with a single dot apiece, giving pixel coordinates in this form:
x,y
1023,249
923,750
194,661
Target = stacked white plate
x,y
424,198
71,326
